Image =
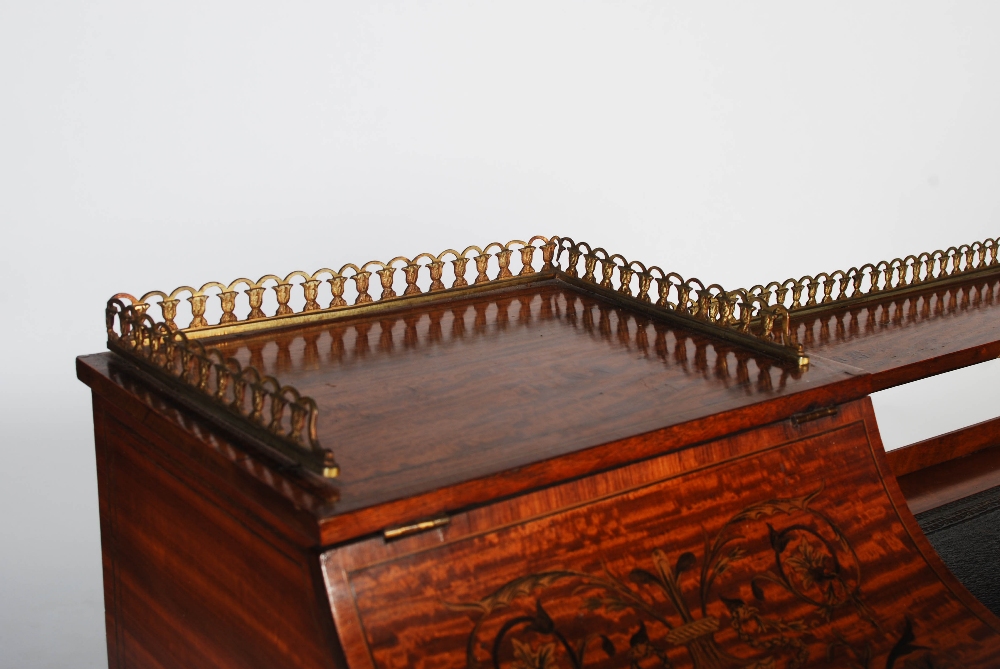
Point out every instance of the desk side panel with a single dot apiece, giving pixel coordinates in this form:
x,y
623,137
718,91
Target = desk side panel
x,y
107,536
780,547
191,583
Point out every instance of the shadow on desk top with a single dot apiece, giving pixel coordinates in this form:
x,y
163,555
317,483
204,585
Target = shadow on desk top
x,y
444,394
910,336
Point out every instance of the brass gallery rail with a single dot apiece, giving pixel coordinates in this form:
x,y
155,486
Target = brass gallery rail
x,y
758,318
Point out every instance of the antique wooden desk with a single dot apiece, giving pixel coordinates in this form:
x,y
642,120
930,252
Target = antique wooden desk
x,y
539,455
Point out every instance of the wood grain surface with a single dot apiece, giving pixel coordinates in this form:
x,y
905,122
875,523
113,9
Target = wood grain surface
x,y
951,480
901,339
944,447
266,493
433,396
192,580
429,408
780,547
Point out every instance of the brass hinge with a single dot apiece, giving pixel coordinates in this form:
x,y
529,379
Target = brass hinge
x,y
414,528
800,418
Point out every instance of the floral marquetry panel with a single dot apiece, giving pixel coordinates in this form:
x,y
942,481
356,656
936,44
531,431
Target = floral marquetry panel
x,y
539,454
778,548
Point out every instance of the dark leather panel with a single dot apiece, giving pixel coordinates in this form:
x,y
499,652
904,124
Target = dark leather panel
x,y
966,534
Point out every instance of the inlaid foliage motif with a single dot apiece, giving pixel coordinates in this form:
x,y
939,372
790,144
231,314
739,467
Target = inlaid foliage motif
x,y
798,602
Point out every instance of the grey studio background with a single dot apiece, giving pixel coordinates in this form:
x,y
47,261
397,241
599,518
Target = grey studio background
x,y
149,145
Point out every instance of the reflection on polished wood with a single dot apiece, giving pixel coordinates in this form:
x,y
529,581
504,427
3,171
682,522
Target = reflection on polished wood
x,y
591,464
910,337
429,397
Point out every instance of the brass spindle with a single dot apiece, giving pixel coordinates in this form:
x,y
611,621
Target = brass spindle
x,y
437,271
239,392
361,281
297,422
607,271
482,261
645,281
574,259
283,292
310,289
590,264
277,413
625,274
683,295
256,295
385,275
337,288
411,272
527,253
503,258
827,289
460,264
228,299
169,310
222,377
257,403
663,292
813,287
198,311
548,252
204,366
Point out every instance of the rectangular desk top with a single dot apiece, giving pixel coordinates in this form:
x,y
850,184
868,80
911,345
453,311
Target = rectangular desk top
x,y
436,395
436,398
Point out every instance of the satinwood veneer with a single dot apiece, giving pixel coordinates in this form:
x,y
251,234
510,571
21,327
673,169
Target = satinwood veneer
x,y
536,455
